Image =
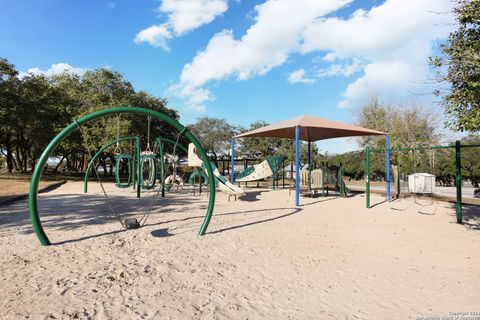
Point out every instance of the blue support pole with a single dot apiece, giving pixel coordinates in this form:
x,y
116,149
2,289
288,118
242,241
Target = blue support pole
x,y
232,168
387,164
309,167
297,167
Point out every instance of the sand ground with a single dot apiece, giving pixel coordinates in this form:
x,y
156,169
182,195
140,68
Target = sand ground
x,y
261,258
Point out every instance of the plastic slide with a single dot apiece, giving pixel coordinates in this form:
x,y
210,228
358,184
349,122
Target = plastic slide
x,y
265,169
223,184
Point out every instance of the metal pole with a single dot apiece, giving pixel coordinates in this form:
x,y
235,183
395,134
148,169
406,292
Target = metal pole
x,y
328,178
232,170
309,168
367,176
458,182
387,165
297,167
137,146
162,168
273,182
340,178
200,179
323,178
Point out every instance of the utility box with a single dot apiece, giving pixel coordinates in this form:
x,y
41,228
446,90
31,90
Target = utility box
x,y
421,183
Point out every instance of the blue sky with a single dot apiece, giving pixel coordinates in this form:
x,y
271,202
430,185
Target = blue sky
x,y
237,59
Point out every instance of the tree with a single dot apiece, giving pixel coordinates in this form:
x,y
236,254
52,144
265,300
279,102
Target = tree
x,y
470,160
34,108
9,99
258,147
459,66
408,125
214,135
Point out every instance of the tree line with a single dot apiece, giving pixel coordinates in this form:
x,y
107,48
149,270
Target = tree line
x,y
34,108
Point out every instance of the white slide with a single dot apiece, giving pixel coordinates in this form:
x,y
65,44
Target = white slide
x,y
260,171
223,184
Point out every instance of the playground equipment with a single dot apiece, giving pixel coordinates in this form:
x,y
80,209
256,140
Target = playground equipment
x,y
197,175
173,180
120,158
221,181
76,124
458,170
159,147
136,160
148,165
267,168
308,129
325,179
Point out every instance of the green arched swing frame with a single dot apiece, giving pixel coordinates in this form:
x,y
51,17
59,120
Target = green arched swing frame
x,y
136,181
33,192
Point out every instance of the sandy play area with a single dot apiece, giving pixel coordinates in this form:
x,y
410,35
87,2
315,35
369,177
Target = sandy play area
x,y
260,259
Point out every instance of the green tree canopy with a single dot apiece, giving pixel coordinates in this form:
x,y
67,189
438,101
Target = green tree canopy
x,y
408,125
214,135
459,67
263,147
33,108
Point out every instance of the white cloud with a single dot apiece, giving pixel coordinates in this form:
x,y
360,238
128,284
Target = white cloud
x,y
156,35
392,79
298,76
394,40
183,16
268,43
340,70
195,97
55,69
388,45
329,57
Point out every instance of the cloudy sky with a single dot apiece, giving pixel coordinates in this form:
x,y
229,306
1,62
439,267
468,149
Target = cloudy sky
x,y
241,60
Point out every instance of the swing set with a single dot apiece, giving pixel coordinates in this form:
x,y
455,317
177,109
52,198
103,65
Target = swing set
x,y
387,151
141,166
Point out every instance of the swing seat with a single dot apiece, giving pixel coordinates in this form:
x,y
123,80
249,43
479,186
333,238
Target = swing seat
x,y
131,223
118,182
150,180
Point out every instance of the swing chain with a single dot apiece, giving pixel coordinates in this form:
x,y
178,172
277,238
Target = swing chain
x,y
108,201
149,119
118,150
146,215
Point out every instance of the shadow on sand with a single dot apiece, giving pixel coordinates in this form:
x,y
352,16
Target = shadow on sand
x,y
68,212
471,217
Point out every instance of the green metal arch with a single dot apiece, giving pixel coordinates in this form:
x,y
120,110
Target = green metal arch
x,y
162,139
103,148
32,200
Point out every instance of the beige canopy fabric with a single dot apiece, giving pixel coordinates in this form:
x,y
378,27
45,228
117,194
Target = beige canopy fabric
x,y
311,129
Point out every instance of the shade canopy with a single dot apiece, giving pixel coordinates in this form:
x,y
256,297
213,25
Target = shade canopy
x,y
311,129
